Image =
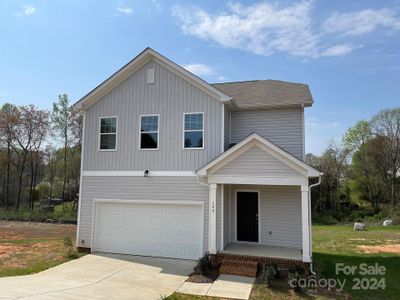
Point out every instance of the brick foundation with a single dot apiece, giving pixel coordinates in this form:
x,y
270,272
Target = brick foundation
x,y
247,265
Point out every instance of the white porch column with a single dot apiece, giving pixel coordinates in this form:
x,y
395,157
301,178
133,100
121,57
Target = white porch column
x,y
305,223
212,216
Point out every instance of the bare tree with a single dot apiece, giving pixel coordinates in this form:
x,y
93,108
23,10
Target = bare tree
x,y
339,155
62,116
386,125
8,118
28,131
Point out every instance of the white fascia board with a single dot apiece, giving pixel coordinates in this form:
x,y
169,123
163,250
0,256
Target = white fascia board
x,y
136,63
193,78
277,152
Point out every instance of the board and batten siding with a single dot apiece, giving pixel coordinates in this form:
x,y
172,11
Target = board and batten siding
x,y
256,162
227,127
283,127
280,214
137,188
169,96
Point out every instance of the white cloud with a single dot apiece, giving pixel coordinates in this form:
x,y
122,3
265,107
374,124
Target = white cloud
x,y
221,78
267,28
200,69
338,50
27,10
262,28
361,22
124,10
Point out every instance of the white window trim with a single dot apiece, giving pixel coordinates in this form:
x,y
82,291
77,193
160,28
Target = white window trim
x,y
100,134
184,131
259,216
158,132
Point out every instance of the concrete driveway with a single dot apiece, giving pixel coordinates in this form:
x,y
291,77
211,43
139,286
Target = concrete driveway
x,y
101,276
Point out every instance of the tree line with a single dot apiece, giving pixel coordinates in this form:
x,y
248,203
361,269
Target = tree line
x,y
363,166
39,153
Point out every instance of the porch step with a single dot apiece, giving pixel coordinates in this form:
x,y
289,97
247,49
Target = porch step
x,y
247,265
238,267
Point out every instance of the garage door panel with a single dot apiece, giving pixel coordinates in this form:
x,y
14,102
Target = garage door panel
x,y
166,230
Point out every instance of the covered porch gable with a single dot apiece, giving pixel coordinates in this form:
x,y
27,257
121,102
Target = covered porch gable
x,y
255,160
274,207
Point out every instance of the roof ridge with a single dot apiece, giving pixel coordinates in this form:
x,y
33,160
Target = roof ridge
x,y
258,80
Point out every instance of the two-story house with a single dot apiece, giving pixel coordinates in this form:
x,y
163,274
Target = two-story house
x,y
173,166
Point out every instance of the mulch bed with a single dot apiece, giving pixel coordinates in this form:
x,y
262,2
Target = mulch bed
x,y
210,277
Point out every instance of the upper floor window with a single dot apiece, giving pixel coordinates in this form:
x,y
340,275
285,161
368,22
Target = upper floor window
x,y
149,125
193,135
108,133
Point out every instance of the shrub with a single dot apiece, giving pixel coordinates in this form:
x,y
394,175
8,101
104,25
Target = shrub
x,y
65,211
72,252
204,264
297,269
359,215
293,278
268,274
324,220
295,272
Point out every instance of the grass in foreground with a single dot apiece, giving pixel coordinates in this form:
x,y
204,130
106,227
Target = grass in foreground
x,y
27,248
378,245
340,244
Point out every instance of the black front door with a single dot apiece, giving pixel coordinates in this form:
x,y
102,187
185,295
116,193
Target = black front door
x,y
247,216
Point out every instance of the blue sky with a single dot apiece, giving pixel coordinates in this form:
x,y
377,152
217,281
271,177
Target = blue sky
x,y
347,51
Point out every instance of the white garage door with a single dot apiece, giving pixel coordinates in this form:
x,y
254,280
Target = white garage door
x,y
166,230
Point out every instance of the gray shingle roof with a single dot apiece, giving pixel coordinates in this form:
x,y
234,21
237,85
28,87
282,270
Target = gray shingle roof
x,y
266,93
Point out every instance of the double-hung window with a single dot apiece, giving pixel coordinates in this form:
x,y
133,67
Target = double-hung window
x,y
108,133
193,133
149,135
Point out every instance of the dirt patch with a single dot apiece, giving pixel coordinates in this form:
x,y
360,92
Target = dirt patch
x,y
6,250
29,247
357,239
395,248
10,230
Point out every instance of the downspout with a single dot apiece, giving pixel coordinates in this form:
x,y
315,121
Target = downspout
x,y
310,219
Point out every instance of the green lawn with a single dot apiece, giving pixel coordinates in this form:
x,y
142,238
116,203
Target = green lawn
x,y
340,244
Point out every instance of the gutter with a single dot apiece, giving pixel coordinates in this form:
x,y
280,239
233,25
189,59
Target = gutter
x,y
310,218
202,183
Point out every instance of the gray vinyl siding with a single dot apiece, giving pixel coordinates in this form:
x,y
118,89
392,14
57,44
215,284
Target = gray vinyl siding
x,y
137,188
256,162
280,214
227,127
170,96
283,127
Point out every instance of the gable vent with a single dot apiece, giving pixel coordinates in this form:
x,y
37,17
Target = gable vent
x,y
150,76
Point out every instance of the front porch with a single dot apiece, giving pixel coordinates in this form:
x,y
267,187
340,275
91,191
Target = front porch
x,y
258,203
255,250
